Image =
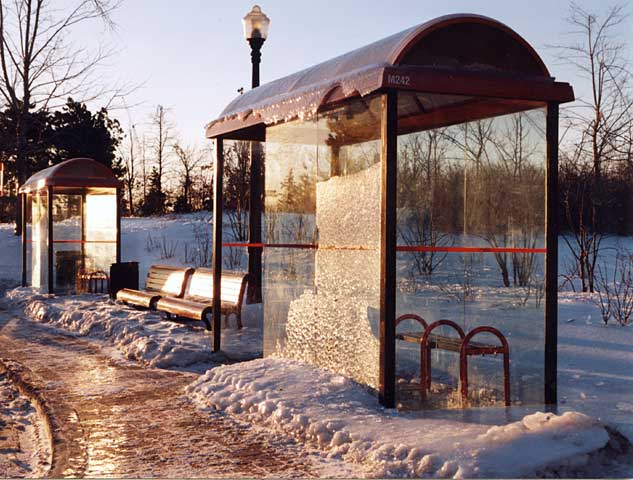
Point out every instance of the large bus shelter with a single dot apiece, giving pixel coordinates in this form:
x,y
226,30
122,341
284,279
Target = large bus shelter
x,y
72,225
408,190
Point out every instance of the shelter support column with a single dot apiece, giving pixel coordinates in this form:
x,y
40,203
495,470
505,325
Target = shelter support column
x,y
217,241
551,262
119,199
24,239
389,134
255,224
83,231
49,243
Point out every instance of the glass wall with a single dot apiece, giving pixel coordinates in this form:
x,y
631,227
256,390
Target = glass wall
x,y
39,240
471,245
84,236
100,231
322,230
236,206
67,240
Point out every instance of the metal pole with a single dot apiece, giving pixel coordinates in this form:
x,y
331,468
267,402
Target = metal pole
x,y
119,199
24,239
255,225
388,249
217,242
83,231
256,198
551,261
256,57
49,196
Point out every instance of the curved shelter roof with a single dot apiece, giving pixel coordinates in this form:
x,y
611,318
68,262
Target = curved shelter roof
x,y
74,173
461,54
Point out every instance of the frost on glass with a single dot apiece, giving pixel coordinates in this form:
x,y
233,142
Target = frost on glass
x,y
321,303
471,199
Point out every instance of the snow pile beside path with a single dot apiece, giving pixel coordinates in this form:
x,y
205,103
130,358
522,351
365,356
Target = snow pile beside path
x,y
338,416
140,335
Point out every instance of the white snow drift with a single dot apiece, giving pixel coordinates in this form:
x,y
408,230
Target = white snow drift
x,y
140,335
340,417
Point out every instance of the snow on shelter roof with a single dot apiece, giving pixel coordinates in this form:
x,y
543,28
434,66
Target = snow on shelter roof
x,y
454,54
76,172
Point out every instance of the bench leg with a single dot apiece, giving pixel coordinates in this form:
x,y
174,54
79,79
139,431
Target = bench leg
x,y
423,373
463,379
205,319
238,318
506,377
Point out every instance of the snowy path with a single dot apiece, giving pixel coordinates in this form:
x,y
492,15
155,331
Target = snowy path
x,y
114,420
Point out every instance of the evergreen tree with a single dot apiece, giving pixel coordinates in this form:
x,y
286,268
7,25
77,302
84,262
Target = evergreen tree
x,y
155,202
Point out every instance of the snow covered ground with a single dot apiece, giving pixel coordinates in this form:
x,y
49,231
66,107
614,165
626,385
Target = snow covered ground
x,y
140,335
595,378
24,447
345,421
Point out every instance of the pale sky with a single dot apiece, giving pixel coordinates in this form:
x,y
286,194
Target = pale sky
x,y
192,56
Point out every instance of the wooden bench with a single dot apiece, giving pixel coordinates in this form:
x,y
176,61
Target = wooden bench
x,y
197,302
162,280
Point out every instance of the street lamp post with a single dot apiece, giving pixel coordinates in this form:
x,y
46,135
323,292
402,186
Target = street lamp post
x,y
256,25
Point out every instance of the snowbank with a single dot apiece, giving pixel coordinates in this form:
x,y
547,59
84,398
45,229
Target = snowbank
x,y
140,335
345,421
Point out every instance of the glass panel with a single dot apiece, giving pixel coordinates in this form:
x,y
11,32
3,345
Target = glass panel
x,y
29,240
67,236
322,269
39,258
100,238
101,217
236,196
471,241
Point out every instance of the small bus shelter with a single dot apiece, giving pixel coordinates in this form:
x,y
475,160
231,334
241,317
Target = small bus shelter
x,y
72,224
408,192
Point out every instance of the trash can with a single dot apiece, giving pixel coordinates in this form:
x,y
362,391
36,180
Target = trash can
x,y
123,275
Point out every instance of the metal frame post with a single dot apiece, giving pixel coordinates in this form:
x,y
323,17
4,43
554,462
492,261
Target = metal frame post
x,y
389,127
256,57
49,197
119,199
255,225
83,230
217,241
551,261
24,239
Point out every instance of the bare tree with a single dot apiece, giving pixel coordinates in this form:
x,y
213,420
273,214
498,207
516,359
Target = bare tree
x,y
144,165
601,121
598,130
162,137
615,289
189,158
130,175
39,65
237,168
419,185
